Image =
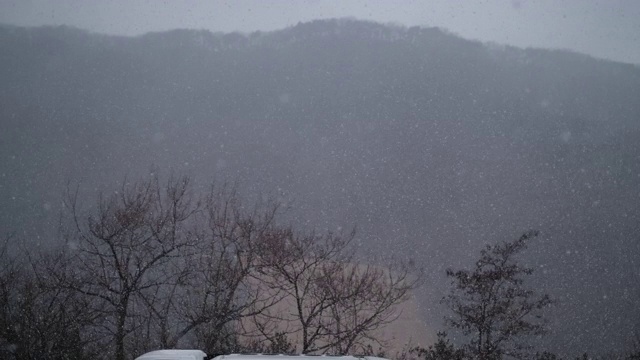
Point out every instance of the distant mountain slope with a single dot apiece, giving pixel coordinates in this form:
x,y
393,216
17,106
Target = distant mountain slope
x,y
431,144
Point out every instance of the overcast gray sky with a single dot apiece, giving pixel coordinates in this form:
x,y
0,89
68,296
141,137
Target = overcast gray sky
x,y
606,29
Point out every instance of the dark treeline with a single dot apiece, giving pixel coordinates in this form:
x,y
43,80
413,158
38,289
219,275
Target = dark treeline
x,y
433,145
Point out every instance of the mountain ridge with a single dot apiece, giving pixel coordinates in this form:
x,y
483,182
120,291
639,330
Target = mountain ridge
x,y
424,140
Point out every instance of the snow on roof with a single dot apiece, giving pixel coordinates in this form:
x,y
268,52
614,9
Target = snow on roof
x,y
200,355
293,357
173,355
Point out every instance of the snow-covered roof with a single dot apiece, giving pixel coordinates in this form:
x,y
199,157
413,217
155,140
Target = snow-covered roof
x,y
173,355
200,355
293,357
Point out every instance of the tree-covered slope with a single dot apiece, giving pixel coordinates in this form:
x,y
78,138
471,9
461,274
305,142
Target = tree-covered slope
x,y
431,144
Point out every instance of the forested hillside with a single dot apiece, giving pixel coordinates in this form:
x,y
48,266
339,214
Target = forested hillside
x,y
431,145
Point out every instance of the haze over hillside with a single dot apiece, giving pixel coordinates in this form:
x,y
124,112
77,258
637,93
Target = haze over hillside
x,y
430,144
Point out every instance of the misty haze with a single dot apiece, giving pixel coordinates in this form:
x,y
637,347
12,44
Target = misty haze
x,y
429,145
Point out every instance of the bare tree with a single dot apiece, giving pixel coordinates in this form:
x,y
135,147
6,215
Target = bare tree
x,y
39,319
492,303
155,266
125,248
330,302
364,300
217,289
165,268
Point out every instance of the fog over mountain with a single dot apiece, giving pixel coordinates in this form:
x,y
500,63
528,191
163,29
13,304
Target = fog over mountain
x,y
431,145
